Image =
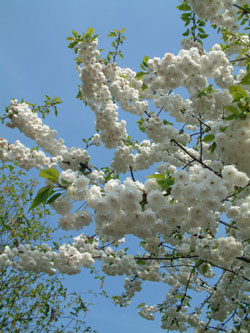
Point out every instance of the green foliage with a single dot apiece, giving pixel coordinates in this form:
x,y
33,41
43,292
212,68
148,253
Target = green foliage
x,y
140,125
109,173
77,38
195,30
31,302
205,92
208,138
165,180
46,194
243,16
246,79
213,147
119,40
140,75
50,173
42,195
130,142
144,67
45,109
241,109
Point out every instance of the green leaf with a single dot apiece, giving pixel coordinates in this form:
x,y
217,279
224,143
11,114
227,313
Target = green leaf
x,y
140,75
201,23
141,305
42,196
186,33
158,176
72,45
237,92
204,268
232,116
184,6
213,147
203,36
186,17
208,138
166,122
90,31
53,198
112,34
50,173
123,76
140,262
232,109
55,111
65,182
145,61
246,79
201,30
199,262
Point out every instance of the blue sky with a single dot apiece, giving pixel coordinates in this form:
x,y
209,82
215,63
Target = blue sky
x,y
35,60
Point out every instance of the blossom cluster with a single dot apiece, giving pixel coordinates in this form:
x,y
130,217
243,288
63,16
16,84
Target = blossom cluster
x,y
191,214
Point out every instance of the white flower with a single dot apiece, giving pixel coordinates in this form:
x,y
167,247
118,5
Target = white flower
x,y
241,179
86,259
67,177
62,205
155,199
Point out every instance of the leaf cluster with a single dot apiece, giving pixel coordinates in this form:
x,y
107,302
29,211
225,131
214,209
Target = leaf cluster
x,y
241,100
47,194
45,109
196,30
165,180
31,302
85,38
119,40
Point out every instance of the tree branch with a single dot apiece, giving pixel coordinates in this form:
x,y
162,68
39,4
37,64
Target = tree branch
x,y
196,159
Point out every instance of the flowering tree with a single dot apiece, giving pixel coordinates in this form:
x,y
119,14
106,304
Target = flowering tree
x,y
31,301
191,217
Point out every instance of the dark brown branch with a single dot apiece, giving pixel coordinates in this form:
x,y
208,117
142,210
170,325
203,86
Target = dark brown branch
x,y
200,142
228,225
202,122
245,11
188,282
164,258
196,159
160,111
239,59
233,272
131,172
244,259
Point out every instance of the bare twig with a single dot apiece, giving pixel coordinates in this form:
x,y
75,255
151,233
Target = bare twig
x,y
245,11
196,159
131,172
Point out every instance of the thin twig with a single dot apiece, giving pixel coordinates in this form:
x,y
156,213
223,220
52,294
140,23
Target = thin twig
x,y
245,11
131,171
160,111
228,225
196,159
200,142
165,258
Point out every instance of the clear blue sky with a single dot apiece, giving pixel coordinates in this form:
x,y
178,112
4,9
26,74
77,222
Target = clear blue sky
x,y
35,60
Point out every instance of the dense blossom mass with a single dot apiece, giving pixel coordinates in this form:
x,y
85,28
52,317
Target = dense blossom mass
x,y
192,216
